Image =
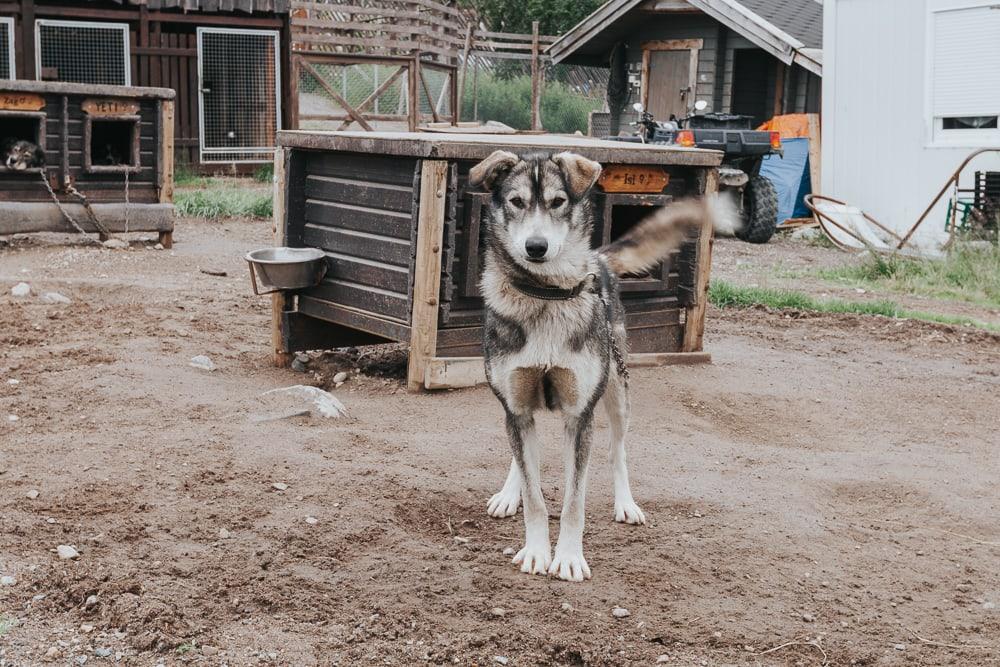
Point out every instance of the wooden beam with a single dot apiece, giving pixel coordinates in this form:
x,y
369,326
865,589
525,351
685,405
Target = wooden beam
x,y
336,96
430,100
815,153
536,80
427,270
673,45
166,184
779,88
694,320
412,96
469,32
374,96
461,372
279,302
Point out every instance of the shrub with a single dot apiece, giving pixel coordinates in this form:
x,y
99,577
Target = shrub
x,y
508,100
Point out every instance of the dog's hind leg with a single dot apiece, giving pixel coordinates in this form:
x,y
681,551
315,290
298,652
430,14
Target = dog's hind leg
x,y
505,502
536,556
616,403
568,562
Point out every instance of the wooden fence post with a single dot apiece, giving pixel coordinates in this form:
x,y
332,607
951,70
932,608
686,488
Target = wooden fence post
x,y
694,316
536,80
464,72
427,270
278,300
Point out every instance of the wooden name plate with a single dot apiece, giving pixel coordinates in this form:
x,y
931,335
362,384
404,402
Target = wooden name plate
x,y
110,107
21,102
633,178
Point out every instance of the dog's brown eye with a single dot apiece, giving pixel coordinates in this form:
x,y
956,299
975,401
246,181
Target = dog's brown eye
x,y
557,202
517,202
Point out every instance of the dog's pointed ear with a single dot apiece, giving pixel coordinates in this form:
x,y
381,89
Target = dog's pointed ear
x,y
580,173
492,170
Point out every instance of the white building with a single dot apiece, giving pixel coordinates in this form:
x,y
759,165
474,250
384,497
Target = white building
x,y
910,89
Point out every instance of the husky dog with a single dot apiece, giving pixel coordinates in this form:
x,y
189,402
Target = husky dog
x,y
554,333
19,155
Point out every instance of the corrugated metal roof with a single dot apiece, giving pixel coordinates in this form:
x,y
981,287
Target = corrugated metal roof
x,y
273,6
802,19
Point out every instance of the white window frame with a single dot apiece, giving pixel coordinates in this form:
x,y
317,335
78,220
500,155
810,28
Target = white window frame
x,y
123,27
9,22
936,135
266,152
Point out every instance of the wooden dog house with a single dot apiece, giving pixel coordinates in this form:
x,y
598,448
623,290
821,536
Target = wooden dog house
x,y
402,231
111,144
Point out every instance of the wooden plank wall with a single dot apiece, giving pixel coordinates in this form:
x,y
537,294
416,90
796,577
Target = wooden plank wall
x,y
98,187
360,210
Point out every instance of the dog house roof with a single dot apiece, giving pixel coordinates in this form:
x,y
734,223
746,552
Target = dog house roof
x,y
274,6
65,88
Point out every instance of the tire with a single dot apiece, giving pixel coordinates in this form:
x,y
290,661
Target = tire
x,y
760,211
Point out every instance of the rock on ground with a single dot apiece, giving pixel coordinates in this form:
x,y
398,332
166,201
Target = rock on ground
x,y
202,362
21,290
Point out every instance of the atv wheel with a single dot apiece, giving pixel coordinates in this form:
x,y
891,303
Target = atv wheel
x,y
760,211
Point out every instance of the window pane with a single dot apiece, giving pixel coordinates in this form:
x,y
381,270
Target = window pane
x,y
969,123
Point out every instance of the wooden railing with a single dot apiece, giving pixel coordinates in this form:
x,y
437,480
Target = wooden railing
x,y
380,27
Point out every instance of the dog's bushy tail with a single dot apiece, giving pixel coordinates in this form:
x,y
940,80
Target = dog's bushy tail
x,y
647,243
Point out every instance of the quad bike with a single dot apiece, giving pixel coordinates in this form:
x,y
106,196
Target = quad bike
x,y
739,175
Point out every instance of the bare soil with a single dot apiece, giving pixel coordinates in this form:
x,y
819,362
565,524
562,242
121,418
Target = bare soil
x,y
825,492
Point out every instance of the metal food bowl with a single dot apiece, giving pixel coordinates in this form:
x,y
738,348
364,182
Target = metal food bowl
x,y
281,269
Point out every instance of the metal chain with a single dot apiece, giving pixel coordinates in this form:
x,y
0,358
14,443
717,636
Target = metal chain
x,y
616,351
90,211
126,200
59,205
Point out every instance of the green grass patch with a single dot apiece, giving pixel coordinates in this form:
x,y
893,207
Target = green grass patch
x,y
965,274
726,295
185,177
265,173
229,201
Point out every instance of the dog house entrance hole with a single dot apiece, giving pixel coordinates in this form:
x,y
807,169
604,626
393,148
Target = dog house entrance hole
x,y
622,212
113,144
21,127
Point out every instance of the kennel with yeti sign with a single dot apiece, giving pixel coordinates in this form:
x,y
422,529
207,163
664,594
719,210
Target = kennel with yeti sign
x,y
82,157
402,231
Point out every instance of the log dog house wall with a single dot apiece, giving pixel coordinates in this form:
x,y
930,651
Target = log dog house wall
x,y
95,137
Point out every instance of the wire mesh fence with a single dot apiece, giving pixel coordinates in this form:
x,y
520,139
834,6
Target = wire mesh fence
x,y
499,89
375,89
239,103
83,52
333,94
6,47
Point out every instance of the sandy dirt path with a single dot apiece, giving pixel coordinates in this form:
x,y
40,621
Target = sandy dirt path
x,y
828,484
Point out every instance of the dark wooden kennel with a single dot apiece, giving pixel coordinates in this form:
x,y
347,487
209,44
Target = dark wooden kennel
x,y
97,139
402,232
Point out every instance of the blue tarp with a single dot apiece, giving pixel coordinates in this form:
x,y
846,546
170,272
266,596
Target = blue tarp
x,y
790,176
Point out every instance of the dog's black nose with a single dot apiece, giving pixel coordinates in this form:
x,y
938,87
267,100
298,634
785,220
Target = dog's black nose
x,y
536,247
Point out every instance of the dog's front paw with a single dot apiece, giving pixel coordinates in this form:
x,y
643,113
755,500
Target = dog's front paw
x,y
629,512
504,503
570,565
533,559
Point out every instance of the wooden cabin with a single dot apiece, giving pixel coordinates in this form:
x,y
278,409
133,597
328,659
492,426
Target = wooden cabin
x,y
227,61
759,58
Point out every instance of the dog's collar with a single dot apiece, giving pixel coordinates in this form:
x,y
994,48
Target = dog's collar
x,y
553,293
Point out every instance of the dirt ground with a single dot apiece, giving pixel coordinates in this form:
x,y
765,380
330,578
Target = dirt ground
x,y
825,492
